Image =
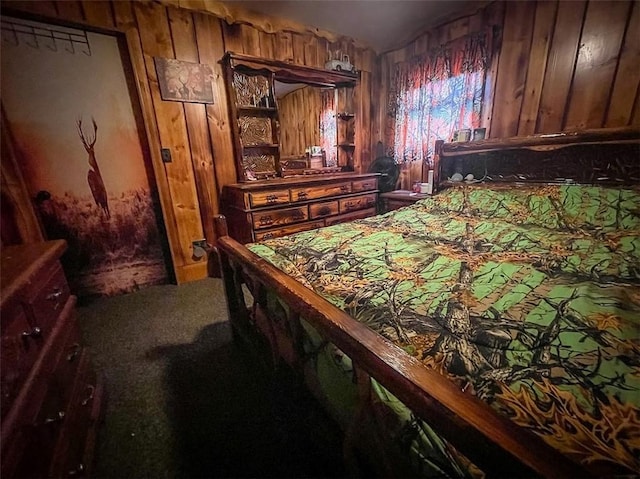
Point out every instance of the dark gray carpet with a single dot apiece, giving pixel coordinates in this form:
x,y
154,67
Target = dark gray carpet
x,y
185,401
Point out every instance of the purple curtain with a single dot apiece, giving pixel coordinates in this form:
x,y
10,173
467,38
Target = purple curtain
x,y
434,95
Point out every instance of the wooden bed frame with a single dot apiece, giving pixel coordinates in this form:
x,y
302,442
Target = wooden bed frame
x,y
494,443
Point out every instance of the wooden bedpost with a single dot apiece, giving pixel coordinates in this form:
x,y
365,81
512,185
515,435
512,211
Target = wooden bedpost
x,y
436,165
213,257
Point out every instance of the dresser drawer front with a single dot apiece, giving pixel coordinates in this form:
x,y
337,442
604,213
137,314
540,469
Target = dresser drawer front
x,y
268,198
315,192
272,218
288,230
50,300
365,185
19,350
326,208
356,215
357,203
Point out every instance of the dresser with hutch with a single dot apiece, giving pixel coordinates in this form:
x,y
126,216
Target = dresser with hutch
x,y
276,194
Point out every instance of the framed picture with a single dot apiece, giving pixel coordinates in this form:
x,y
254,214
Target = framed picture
x,y
184,81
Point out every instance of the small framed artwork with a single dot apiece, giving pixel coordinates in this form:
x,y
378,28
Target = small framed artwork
x,y
184,81
479,134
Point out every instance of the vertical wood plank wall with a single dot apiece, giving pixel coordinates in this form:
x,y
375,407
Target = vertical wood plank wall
x,y
562,66
198,135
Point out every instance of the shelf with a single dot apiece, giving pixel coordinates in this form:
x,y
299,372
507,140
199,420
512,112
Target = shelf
x,y
255,109
262,145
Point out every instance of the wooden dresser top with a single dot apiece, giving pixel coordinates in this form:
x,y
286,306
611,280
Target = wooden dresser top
x,y
19,264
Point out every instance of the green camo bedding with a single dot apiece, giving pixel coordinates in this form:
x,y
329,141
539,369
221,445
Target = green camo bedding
x,y
527,297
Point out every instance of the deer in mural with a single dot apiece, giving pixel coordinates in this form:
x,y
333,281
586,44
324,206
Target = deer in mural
x,y
94,177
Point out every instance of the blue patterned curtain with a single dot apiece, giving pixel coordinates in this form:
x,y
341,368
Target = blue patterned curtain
x,y
434,95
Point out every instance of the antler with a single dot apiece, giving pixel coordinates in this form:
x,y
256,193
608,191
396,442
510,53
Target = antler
x,y
88,142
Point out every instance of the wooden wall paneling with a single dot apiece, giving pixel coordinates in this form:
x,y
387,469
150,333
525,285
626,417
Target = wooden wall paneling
x,y
98,13
124,17
250,40
267,44
593,76
126,21
297,41
493,18
363,101
512,68
542,33
232,35
14,189
211,49
71,10
186,48
627,81
284,47
311,57
46,8
156,41
560,66
323,51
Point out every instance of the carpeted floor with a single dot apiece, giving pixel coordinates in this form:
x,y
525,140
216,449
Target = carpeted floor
x,y
185,401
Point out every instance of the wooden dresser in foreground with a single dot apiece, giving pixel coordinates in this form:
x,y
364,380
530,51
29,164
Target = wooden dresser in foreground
x,y
51,396
267,209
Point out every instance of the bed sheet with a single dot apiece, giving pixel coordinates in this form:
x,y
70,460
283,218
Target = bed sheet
x,y
527,297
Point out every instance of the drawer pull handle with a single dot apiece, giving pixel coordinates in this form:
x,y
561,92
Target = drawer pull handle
x,y
351,206
267,236
88,399
272,199
302,195
57,292
366,186
344,188
57,418
298,215
34,333
266,220
78,471
324,211
73,354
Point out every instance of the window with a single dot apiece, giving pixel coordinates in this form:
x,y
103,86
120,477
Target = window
x,y
435,95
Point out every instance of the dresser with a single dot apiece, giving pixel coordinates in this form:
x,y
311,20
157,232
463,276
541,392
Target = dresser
x,y
261,210
51,396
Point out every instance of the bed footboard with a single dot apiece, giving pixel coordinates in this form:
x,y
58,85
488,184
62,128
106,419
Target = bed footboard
x,y
494,443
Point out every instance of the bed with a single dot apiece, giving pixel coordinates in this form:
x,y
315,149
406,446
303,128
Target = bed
x,y
490,330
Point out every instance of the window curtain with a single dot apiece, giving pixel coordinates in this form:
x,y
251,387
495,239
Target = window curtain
x,y
434,95
328,127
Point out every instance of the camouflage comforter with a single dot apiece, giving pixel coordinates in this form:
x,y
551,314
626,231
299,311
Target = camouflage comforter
x,y
528,297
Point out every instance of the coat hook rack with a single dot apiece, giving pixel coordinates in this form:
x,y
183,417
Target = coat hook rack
x,y
14,32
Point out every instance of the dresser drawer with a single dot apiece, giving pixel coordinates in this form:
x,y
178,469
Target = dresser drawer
x,y
314,192
364,185
357,203
50,299
20,347
356,215
326,208
268,198
288,230
70,456
271,218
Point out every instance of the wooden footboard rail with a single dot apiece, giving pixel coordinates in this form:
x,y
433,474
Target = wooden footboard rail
x,y
494,443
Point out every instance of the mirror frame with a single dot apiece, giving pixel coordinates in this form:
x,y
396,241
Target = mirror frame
x,y
275,70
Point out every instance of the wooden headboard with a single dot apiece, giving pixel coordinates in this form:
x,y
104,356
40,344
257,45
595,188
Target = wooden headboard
x,y
603,156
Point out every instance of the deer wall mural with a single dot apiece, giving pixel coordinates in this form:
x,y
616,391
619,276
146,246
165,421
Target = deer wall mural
x,y
96,184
